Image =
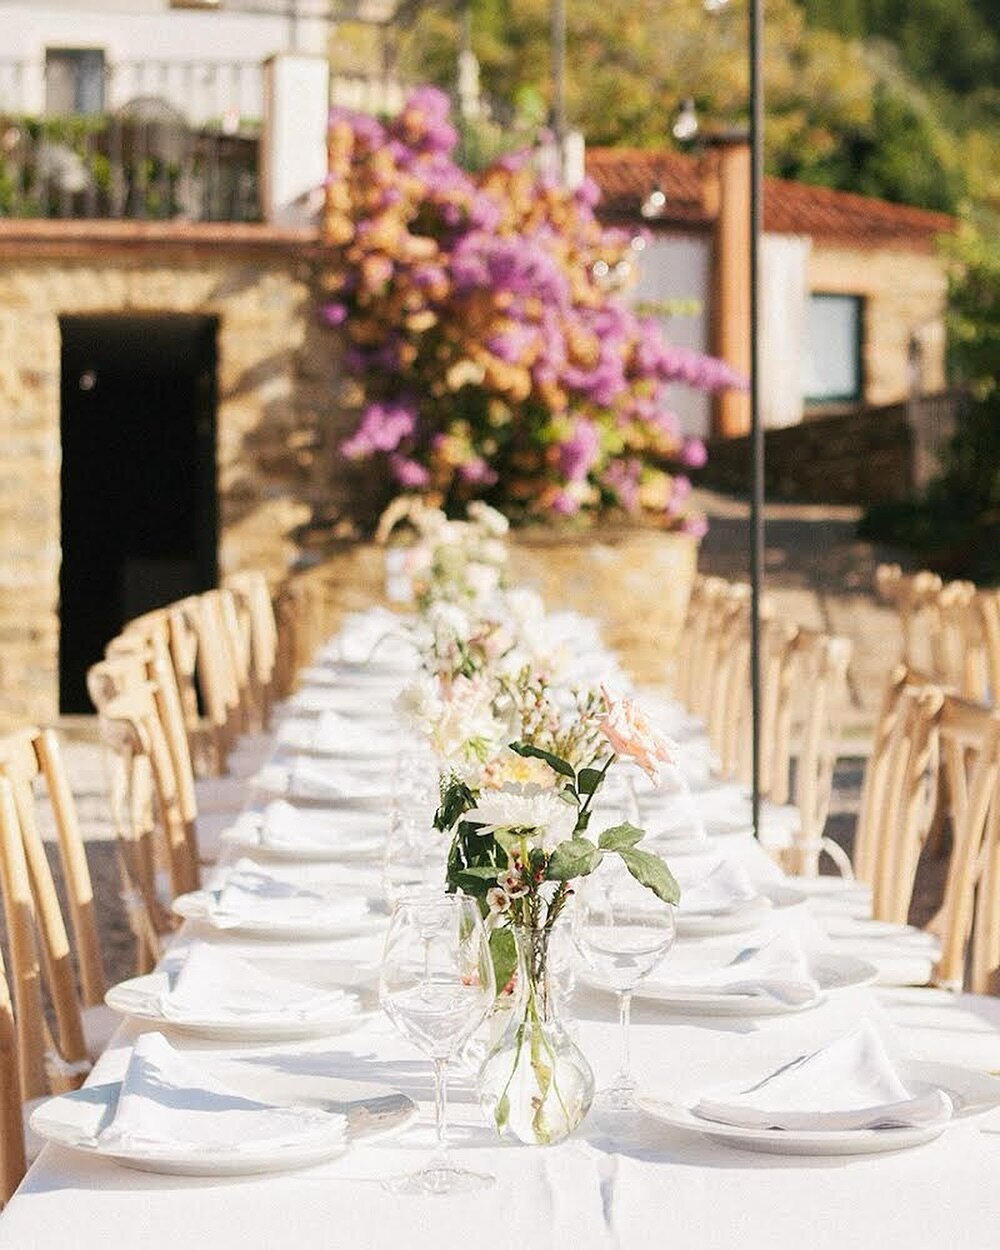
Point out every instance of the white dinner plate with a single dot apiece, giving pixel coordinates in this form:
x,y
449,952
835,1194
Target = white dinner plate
x,y
74,1120
832,972
197,906
140,998
735,919
972,1093
280,781
245,838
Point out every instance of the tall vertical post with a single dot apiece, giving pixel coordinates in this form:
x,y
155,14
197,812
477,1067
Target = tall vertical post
x,y
557,21
756,48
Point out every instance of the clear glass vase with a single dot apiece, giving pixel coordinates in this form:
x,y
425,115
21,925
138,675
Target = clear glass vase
x,y
536,1083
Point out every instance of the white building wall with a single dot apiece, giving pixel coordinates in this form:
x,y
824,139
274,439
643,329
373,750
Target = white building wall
x,y
678,268
151,49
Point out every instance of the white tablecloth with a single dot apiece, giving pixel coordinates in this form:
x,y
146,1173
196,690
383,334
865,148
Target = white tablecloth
x,y
623,1182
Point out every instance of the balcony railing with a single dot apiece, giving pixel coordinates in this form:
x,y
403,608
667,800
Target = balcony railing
x,y
125,166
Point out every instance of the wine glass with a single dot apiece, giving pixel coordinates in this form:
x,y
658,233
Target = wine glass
x,y
436,986
622,930
415,854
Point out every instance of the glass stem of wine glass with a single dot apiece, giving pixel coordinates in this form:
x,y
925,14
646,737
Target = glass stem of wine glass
x,y
441,1110
624,1078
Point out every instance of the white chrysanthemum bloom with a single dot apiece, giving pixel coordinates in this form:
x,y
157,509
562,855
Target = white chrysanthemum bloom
x,y
481,580
448,623
467,731
487,518
420,703
530,807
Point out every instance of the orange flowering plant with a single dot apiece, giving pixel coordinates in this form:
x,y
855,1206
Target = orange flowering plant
x,y
491,361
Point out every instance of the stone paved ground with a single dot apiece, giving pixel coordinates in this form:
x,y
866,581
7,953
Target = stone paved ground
x,y
815,568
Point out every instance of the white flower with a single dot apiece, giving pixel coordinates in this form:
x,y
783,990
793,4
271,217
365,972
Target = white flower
x,y
448,623
467,729
497,900
421,703
487,518
481,580
512,883
529,807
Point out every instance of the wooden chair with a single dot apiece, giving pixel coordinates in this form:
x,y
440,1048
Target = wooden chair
x,y
13,1161
914,596
253,601
133,811
39,946
817,699
119,696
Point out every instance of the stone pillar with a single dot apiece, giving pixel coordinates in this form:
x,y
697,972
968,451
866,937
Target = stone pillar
x,y
293,143
728,191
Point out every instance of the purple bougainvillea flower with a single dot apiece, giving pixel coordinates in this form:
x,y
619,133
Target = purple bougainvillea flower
x,y
693,453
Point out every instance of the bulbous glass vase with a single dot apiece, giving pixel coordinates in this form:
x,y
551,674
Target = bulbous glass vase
x,y
536,1083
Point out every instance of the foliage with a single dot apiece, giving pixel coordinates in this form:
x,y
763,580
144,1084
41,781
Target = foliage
x,y
491,363
974,305
955,525
861,95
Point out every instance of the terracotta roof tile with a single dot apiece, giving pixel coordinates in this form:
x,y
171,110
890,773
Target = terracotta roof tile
x,y
626,176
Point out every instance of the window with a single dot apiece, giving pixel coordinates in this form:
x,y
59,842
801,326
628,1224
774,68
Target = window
x,y
832,349
74,81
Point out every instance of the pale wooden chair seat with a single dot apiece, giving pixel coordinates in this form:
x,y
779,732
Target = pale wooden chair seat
x,y
99,1025
220,794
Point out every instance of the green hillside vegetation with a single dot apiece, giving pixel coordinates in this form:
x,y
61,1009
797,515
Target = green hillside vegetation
x,y
895,98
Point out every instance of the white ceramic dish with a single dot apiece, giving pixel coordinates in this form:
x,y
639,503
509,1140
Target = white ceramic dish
x,y
73,1120
140,998
198,906
738,918
832,972
247,840
972,1093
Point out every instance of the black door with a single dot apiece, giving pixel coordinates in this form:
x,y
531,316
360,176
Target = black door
x,y
138,477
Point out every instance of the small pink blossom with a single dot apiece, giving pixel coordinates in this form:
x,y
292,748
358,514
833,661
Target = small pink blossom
x,y
497,900
512,883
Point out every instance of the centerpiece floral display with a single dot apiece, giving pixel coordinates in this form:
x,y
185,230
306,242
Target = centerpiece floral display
x,y
520,842
486,355
527,753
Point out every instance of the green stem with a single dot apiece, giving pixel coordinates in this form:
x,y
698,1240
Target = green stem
x,y
586,807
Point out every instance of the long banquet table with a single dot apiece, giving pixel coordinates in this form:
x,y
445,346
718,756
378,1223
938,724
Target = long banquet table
x,y
622,1181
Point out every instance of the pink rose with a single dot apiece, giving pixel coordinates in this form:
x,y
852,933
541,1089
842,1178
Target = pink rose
x,y
630,733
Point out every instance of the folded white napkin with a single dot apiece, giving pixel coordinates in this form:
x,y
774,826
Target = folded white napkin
x,y
337,735
252,895
284,827
778,971
167,1105
215,985
308,779
720,889
849,1084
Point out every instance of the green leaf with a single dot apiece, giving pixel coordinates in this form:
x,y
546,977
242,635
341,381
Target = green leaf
x,y
503,952
527,751
589,779
576,857
649,870
456,800
620,837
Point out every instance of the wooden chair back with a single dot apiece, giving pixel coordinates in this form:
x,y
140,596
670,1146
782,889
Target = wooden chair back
x,y
12,1157
37,940
137,704
253,597
913,595
818,681
970,749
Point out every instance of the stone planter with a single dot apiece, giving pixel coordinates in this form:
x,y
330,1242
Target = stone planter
x,y
636,581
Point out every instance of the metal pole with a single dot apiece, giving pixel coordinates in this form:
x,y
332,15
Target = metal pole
x,y
557,19
756,47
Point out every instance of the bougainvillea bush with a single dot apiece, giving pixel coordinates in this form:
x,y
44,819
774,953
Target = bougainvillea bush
x,y
490,360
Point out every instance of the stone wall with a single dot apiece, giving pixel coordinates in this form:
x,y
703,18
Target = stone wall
x,y
864,457
278,418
